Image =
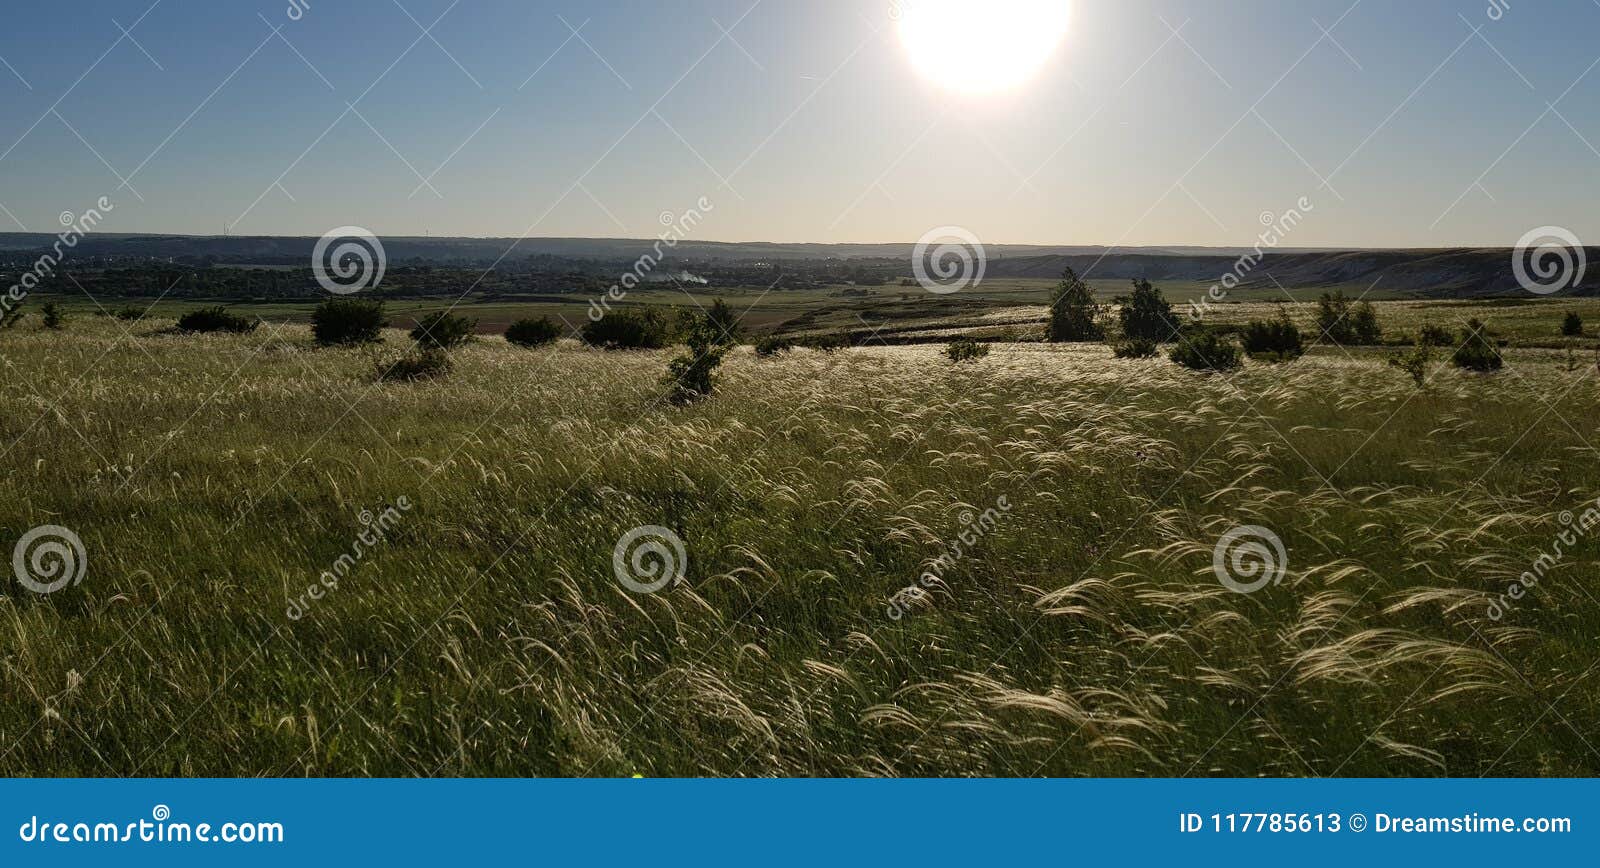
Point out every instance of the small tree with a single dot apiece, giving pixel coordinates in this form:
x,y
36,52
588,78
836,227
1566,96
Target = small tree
x,y
1364,324
1345,323
1146,314
722,318
1074,314
52,315
10,315
692,376
1415,361
1202,349
966,350
345,321
1478,351
443,330
533,332
1333,318
1572,326
1273,340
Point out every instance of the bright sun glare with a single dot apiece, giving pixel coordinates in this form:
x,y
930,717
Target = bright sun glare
x,y
981,46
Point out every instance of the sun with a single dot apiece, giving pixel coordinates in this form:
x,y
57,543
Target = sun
x,y
981,46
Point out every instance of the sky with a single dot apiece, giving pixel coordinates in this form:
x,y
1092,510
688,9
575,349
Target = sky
x,y
1422,123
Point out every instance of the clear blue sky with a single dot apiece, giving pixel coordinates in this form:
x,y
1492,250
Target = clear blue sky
x,y
808,124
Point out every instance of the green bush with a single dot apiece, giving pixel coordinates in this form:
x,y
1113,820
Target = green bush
x,y
1202,349
771,346
1147,315
344,321
966,350
642,329
1415,361
533,332
52,315
1436,336
443,330
1074,315
1572,326
1477,351
1273,340
1136,348
425,364
692,376
724,323
825,343
215,319
129,313
1345,323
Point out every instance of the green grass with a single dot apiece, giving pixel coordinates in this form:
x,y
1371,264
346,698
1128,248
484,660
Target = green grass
x,y
213,478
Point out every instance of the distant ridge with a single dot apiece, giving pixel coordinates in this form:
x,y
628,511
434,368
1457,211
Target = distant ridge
x,y
1440,273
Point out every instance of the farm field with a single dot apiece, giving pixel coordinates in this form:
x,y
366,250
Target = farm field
x,y
1068,502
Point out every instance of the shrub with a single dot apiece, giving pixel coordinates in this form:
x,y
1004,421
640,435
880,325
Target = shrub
x,y
692,376
644,329
1477,351
1273,340
723,321
966,350
52,315
129,313
771,346
215,319
1202,349
10,315
1135,348
1074,315
1436,336
1572,326
342,321
1145,314
1364,323
825,343
1415,361
533,332
425,364
443,330
1345,323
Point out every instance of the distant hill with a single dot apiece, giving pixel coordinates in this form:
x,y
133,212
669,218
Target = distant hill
x,y
1454,273
1461,272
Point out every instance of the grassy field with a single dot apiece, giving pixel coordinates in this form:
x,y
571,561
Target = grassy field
x,y
1070,504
